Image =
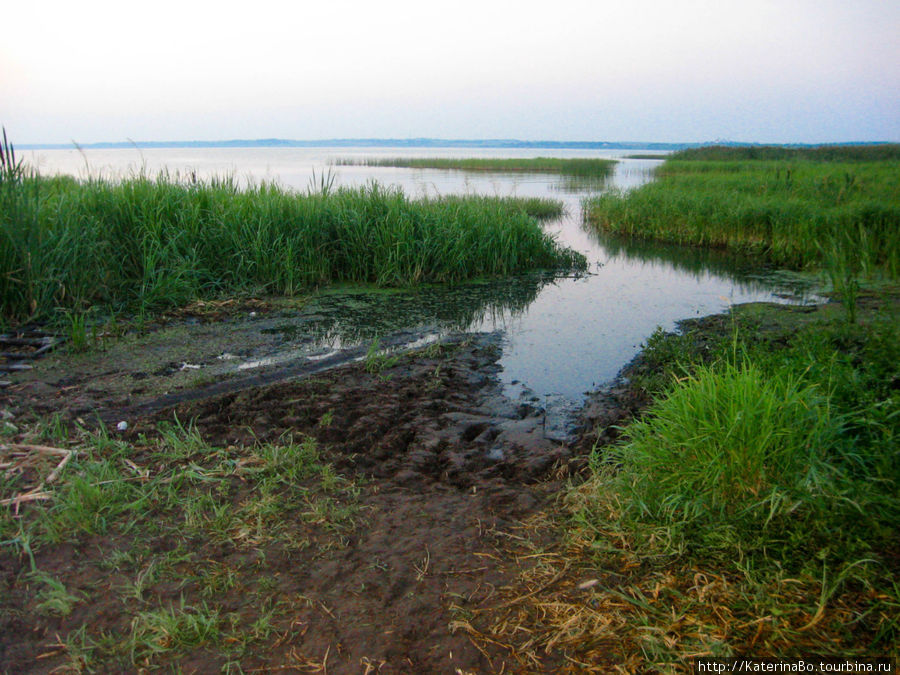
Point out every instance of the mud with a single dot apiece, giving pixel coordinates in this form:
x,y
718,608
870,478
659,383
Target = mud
x,y
447,467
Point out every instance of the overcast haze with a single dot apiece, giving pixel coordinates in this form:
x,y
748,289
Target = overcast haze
x,y
641,70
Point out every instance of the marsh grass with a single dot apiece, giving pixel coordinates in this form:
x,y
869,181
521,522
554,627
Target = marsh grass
x,y
585,167
143,244
794,211
768,462
871,152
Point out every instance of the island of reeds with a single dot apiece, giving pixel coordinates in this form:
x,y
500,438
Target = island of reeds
x,y
581,167
146,243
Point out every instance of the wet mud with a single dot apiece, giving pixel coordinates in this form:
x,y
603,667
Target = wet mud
x,y
447,467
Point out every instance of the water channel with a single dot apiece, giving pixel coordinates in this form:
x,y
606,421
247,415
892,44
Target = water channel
x,y
562,336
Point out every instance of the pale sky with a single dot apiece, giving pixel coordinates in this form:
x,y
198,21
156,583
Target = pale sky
x,y
626,70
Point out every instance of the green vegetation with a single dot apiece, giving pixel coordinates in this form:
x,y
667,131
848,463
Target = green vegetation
x,y
872,152
754,507
174,537
597,168
770,460
377,361
837,206
145,244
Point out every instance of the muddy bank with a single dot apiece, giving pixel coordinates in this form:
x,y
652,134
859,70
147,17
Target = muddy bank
x,y
434,416
444,470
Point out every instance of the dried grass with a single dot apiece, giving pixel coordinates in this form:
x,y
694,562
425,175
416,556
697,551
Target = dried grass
x,y
571,610
28,466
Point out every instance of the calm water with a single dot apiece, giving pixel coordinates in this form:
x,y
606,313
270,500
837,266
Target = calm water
x,y
563,336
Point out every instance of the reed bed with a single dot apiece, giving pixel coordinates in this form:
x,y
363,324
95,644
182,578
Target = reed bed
x,y
586,167
147,243
872,152
802,211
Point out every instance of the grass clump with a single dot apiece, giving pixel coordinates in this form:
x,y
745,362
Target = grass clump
x,y
584,167
767,466
728,456
143,244
810,208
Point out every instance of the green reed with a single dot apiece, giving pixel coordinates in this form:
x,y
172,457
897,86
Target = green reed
x,y
787,212
599,168
146,243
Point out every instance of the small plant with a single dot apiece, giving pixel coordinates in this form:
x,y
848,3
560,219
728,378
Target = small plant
x,y
844,263
54,598
78,336
321,184
326,419
377,361
176,628
11,171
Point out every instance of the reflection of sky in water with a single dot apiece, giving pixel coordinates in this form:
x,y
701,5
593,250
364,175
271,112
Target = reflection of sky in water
x,y
563,336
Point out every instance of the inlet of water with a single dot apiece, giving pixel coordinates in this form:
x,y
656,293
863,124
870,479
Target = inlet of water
x,y
563,336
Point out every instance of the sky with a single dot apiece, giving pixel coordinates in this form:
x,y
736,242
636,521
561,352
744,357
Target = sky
x,y
780,71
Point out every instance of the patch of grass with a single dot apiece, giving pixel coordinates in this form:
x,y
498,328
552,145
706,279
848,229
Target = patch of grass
x,y
732,458
170,514
842,214
174,628
378,361
53,597
600,168
97,493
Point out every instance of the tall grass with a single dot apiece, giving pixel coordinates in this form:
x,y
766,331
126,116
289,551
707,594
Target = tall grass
x,y
787,212
586,167
147,243
732,456
769,462
870,152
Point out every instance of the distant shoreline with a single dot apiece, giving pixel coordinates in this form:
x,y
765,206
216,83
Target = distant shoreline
x,y
403,143
361,143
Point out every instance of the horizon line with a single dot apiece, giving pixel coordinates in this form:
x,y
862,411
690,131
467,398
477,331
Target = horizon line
x,y
418,142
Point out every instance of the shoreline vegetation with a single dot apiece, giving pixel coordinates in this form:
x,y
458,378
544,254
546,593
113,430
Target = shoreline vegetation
x,y
143,244
585,168
833,207
754,506
751,507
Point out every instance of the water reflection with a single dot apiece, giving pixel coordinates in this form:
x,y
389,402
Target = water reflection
x,y
694,261
337,317
580,184
700,263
